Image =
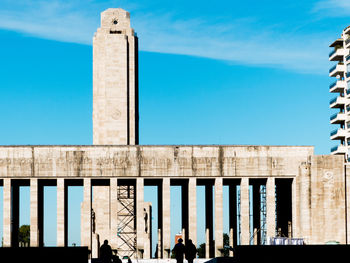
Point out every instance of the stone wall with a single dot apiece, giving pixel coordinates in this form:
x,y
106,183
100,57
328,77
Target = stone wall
x,y
152,161
318,183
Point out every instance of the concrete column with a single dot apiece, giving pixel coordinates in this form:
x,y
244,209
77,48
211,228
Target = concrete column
x,y
270,208
209,246
147,237
347,195
255,237
34,212
192,210
159,245
219,240
7,213
86,227
304,206
245,231
140,221
165,232
41,213
159,248
114,212
61,213
184,209
232,216
294,209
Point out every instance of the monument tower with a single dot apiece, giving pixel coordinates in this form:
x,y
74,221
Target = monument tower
x,y
115,122
115,80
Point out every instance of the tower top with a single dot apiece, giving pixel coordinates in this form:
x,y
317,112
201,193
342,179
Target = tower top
x,y
115,80
117,21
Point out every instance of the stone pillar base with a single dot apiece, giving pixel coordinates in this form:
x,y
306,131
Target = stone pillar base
x,y
95,248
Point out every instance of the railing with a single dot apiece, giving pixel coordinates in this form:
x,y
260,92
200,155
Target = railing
x,y
332,52
334,132
333,149
333,116
346,29
333,100
335,66
333,85
332,68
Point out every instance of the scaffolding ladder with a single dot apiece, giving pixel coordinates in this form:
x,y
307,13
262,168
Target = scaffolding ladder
x,y
126,231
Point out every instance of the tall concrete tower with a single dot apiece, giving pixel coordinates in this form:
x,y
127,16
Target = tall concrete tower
x,y
115,80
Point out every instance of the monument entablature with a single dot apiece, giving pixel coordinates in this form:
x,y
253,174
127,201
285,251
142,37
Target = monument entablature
x,y
152,161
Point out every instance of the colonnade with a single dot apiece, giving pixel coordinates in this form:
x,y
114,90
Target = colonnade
x,y
214,239
11,209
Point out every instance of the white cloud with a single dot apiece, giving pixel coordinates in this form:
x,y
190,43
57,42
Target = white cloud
x,y
242,41
51,20
333,7
239,43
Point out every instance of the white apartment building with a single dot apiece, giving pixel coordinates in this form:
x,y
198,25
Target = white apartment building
x,y
341,86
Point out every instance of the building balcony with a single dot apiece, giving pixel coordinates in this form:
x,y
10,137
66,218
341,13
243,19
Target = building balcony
x,y
338,69
337,102
347,43
337,86
338,118
338,54
338,42
340,149
347,30
338,134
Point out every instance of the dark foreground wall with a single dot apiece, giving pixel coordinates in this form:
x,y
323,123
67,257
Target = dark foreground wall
x,y
278,254
44,254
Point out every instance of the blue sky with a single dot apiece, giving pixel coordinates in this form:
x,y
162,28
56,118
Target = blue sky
x,y
219,72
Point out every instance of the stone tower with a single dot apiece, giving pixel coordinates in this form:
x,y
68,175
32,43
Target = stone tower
x,y
115,80
115,116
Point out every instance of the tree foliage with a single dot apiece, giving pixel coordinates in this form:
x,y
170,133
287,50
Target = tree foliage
x,y
201,250
24,234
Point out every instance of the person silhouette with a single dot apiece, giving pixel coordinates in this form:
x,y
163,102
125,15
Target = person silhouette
x,y
179,250
105,252
190,251
116,259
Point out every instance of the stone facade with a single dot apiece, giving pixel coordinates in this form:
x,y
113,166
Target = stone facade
x,y
115,86
318,186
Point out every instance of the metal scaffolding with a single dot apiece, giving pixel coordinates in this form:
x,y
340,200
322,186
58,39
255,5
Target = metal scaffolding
x,y
263,232
239,214
126,221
